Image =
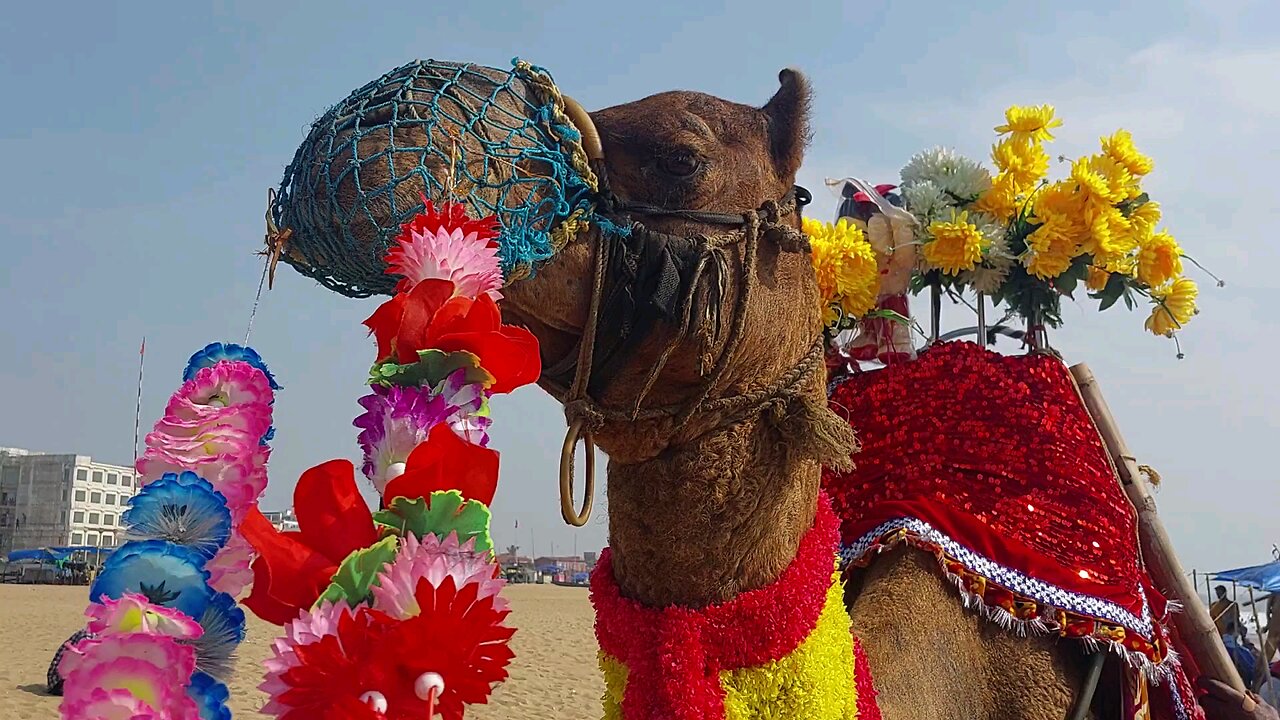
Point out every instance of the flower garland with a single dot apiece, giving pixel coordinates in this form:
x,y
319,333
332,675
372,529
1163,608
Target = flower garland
x,y
396,614
163,621
1028,241
784,650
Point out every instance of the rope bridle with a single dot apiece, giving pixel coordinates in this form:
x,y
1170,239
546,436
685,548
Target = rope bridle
x,y
643,278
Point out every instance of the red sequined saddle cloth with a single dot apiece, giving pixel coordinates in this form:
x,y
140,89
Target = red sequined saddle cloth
x,y
993,464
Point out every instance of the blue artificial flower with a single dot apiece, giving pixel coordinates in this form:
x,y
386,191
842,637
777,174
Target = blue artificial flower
x,y
214,353
165,573
223,623
182,508
211,697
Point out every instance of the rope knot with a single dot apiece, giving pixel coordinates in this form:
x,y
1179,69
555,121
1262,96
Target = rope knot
x,y
584,409
787,238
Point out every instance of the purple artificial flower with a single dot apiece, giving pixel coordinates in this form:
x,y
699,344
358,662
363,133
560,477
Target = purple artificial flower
x,y
397,419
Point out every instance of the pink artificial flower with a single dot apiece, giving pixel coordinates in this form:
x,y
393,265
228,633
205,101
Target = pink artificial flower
x,y
229,570
233,471
310,626
99,704
448,246
433,560
154,669
133,613
225,384
253,420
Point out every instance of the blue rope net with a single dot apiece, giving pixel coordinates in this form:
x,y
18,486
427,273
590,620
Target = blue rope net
x,y
496,140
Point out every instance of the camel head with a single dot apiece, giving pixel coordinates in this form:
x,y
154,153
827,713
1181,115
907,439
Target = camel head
x,y
735,315
685,151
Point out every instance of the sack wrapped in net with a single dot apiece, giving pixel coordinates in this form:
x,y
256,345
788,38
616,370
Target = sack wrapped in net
x,y
502,142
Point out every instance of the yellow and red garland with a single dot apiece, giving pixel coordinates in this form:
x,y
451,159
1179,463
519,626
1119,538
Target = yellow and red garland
x,y
784,650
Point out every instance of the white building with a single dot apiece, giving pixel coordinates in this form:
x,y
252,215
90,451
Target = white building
x,y
54,500
283,520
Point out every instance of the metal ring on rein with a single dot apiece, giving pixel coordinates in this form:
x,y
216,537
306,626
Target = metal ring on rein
x,y
568,511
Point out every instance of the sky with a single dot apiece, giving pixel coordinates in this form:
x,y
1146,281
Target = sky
x,y
141,139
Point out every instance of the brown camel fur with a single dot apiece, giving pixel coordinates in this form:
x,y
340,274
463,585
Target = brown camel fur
x,y
700,514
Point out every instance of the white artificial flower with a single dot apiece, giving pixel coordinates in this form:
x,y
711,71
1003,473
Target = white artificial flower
x,y
952,172
997,247
986,280
926,201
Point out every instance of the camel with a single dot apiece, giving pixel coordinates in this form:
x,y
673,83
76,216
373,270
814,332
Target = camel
x,y
711,500
703,512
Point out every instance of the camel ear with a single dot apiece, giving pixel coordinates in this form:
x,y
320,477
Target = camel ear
x,y
788,114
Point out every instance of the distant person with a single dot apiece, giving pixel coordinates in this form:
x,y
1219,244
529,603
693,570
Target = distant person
x,y
1225,612
1242,657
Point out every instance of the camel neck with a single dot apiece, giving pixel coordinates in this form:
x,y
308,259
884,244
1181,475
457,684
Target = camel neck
x,y
706,521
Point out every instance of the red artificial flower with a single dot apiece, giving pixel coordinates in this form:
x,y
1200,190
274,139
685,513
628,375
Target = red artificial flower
x,y
335,671
447,462
430,317
457,635
451,216
294,568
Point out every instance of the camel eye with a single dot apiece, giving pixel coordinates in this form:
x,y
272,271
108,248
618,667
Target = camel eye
x,y
682,164
376,701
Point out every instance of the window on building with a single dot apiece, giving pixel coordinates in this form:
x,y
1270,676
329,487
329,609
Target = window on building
x,y
81,495
77,538
108,540
97,476
95,518
113,479
108,519
91,539
82,474
66,493
77,516
95,497
111,498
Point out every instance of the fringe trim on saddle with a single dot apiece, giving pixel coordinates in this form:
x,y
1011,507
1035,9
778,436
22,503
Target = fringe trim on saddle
x,y
1156,672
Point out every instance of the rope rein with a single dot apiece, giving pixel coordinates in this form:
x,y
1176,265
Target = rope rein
x,y
586,415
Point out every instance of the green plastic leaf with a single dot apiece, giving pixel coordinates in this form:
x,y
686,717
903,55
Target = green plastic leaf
x,y
432,367
359,572
1114,290
444,513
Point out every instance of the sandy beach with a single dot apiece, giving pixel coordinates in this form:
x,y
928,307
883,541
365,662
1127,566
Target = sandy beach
x,y
554,674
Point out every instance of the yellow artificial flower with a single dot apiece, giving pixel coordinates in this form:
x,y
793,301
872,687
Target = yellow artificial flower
x,y
1175,305
1024,161
1060,198
1144,219
1111,237
1159,259
1000,201
1119,147
1103,178
1097,279
845,266
1051,248
957,244
1032,122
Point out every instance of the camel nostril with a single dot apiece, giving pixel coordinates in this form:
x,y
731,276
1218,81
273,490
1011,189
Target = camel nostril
x,y
376,701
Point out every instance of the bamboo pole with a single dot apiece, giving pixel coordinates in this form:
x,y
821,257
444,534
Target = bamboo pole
x,y
1194,625
1264,669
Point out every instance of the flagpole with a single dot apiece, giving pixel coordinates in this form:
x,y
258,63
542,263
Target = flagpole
x,y
137,413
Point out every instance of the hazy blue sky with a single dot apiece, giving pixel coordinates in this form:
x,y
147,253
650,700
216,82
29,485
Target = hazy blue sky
x,y
138,141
